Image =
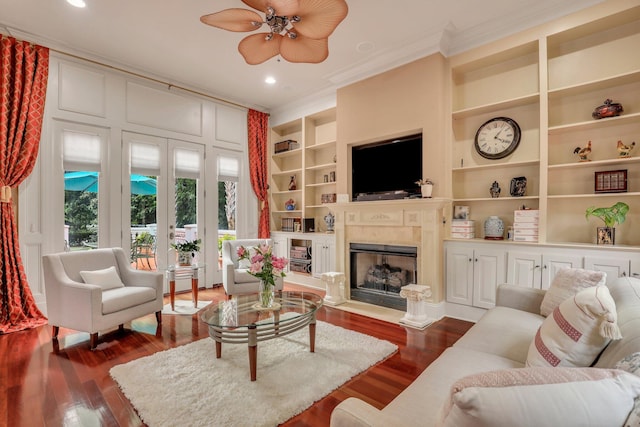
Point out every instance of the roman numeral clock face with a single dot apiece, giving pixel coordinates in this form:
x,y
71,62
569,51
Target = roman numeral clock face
x,y
497,138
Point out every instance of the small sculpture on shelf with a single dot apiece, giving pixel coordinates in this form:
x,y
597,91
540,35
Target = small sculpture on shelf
x,y
583,152
625,150
494,190
608,109
329,220
290,205
292,183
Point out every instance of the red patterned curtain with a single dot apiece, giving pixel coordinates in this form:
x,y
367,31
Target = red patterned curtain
x,y
258,127
24,68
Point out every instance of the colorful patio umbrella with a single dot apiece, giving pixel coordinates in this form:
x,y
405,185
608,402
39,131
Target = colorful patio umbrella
x,y
88,181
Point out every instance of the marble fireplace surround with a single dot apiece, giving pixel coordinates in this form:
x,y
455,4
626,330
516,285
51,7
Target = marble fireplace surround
x,y
406,222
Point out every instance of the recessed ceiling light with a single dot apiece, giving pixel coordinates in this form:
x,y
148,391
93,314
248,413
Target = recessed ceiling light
x,y
270,80
77,3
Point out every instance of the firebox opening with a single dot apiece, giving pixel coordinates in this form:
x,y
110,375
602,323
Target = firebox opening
x,y
378,272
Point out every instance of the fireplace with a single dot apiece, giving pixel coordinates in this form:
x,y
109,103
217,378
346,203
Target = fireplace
x,y
379,271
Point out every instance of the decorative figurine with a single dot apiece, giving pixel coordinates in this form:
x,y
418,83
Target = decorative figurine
x,y
518,186
625,150
495,190
329,220
292,184
608,109
583,153
290,205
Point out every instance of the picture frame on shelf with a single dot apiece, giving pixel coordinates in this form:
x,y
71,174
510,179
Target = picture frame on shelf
x,y
461,212
610,181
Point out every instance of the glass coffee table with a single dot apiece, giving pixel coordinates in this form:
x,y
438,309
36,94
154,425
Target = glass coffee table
x,y
241,320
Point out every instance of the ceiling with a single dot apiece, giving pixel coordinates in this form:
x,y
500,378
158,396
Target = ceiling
x,y
165,40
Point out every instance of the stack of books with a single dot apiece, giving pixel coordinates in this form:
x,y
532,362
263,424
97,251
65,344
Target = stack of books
x,y
463,229
525,225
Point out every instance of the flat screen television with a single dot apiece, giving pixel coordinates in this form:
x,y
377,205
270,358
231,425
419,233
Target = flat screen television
x,y
383,169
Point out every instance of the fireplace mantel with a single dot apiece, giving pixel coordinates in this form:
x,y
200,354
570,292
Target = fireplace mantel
x,y
408,222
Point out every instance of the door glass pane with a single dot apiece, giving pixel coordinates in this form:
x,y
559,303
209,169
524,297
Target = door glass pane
x,y
144,222
186,210
81,210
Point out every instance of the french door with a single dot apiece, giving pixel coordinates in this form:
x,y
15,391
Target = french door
x,y
163,200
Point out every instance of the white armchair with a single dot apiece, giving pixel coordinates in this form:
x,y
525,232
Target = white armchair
x,y
110,297
235,278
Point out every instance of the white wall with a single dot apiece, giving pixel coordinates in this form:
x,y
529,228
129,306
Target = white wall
x,y
85,94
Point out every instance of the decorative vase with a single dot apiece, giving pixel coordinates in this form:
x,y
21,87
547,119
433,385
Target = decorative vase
x,y
184,258
494,228
329,220
606,236
266,293
494,190
426,190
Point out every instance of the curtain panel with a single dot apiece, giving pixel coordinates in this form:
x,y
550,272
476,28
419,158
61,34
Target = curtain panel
x,y
24,69
258,127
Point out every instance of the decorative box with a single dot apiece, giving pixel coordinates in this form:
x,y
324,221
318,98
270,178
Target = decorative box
x,y
282,146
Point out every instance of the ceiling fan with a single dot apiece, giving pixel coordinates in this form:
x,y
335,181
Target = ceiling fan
x,y
299,30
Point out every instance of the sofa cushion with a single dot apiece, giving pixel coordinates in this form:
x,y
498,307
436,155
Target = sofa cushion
x,y
542,397
568,282
631,364
107,278
626,293
503,331
577,330
118,299
425,396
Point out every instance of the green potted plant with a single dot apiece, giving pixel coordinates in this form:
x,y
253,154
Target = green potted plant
x,y
611,216
186,250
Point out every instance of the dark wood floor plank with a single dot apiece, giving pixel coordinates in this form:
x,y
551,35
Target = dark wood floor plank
x,y
42,384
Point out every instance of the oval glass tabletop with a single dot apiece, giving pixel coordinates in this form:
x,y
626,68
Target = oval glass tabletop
x,y
244,310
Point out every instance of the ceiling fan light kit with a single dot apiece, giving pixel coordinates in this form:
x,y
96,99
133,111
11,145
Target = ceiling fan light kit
x,y
299,30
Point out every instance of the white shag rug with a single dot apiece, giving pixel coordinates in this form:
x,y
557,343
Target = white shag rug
x,y
184,307
187,385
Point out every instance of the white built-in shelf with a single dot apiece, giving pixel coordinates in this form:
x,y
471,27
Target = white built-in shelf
x,y
322,166
287,172
496,199
324,205
610,162
291,192
287,153
296,211
594,124
494,165
592,195
502,105
321,184
592,86
320,146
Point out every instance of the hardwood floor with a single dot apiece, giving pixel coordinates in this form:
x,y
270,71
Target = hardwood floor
x,y
43,387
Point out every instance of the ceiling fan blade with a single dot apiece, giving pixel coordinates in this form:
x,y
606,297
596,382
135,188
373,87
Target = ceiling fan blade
x,y
256,49
282,7
319,18
304,49
233,19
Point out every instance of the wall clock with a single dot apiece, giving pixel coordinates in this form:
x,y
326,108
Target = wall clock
x,y
497,138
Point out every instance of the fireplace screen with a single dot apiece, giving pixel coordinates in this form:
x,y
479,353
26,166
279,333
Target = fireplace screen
x,y
378,272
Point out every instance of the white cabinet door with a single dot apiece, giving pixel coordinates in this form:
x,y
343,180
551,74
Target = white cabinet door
x,y
552,262
323,255
280,246
524,269
635,268
614,267
459,273
488,272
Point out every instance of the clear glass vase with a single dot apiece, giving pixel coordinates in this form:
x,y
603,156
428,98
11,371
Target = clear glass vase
x,y
266,294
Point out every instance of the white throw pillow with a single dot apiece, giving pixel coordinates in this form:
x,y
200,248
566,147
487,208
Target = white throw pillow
x,y
631,364
542,397
106,279
577,330
568,282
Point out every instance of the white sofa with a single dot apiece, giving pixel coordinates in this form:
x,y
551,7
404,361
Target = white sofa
x,y
499,340
236,278
90,307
